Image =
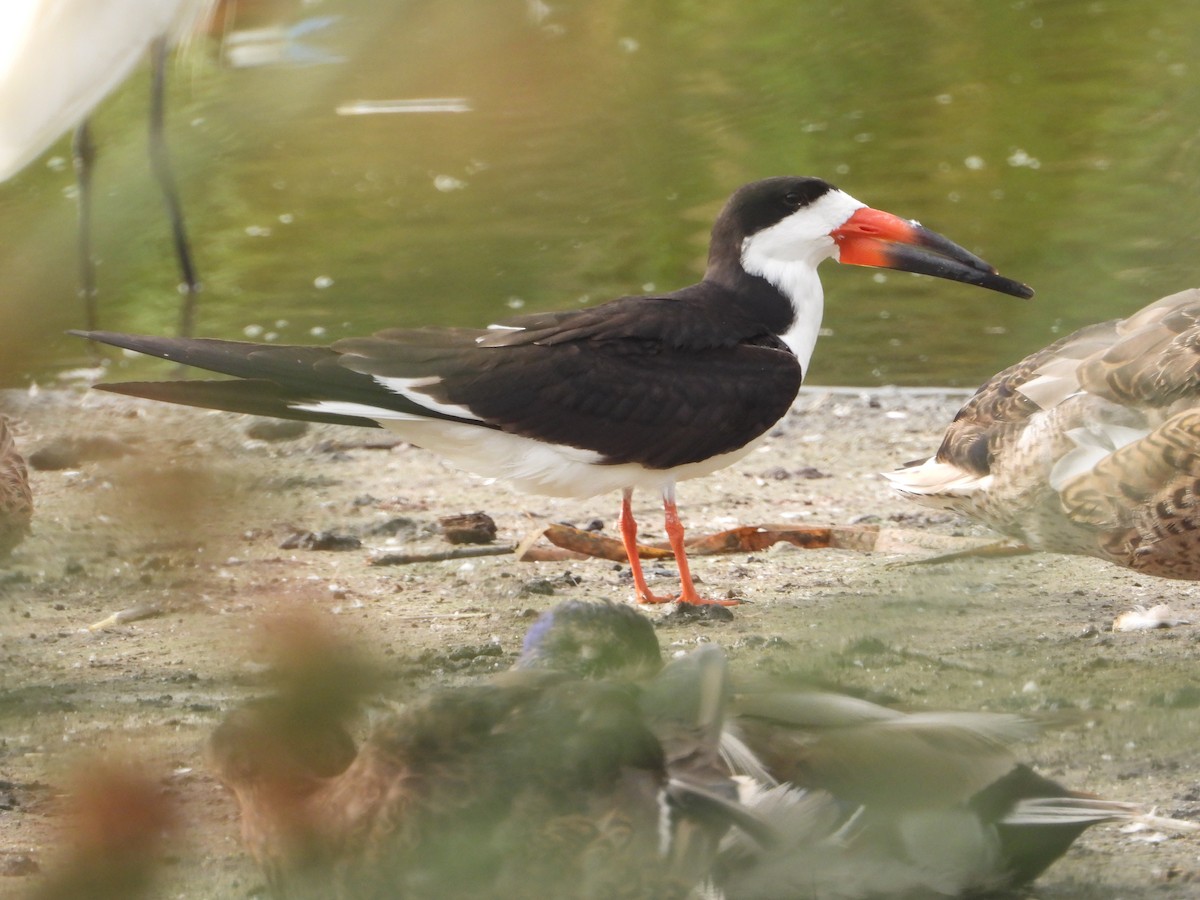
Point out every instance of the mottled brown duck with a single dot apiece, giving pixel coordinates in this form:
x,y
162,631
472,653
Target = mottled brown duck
x,y
1090,446
16,499
531,784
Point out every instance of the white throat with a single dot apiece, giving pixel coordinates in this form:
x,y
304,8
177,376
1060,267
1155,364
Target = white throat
x,y
787,255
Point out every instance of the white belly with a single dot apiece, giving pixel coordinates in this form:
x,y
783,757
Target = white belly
x,y
539,468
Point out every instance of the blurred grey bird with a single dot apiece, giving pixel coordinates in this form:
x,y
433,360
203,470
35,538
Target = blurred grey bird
x,y
858,800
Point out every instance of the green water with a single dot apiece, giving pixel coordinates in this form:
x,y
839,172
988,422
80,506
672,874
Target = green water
x,y
1060,140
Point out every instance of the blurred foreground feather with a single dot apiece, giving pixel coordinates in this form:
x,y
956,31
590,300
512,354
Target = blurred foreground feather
x,y
118,819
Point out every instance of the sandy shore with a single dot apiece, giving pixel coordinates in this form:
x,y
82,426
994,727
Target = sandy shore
x,y
181,512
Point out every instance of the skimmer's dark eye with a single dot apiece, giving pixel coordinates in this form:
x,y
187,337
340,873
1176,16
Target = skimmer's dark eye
x,y
792,199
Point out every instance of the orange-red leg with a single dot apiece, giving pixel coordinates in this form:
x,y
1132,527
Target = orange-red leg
x,y
629,539
687,593
674,527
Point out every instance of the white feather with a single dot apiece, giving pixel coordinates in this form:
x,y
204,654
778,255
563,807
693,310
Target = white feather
x,y
60,58
411,389
1093,443
933,478
787,255
528,464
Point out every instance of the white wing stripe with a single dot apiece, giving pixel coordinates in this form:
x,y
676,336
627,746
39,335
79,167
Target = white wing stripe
x,y
409,388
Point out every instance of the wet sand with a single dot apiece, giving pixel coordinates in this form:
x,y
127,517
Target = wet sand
x,y
181,512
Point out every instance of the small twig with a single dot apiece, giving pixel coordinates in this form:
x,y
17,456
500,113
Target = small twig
x,y
526,543
429,616
403,559
994,550
553,554
132,614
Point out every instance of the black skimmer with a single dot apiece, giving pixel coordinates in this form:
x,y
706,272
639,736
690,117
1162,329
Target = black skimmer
x,y
1089,446
16,499
859,800
533,783
639,392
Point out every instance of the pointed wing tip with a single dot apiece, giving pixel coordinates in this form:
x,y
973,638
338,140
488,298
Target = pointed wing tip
x,y
97,335
112,338
115,387
140,390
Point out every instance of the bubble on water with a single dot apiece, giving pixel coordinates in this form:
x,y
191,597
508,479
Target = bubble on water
x,y
1020,159
447,183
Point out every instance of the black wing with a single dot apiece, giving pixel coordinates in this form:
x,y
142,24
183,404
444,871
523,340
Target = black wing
x,y
628,400
631,388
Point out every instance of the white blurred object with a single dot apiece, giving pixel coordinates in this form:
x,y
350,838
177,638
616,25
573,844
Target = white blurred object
x,y
275,45
60,58
1142,619
394,107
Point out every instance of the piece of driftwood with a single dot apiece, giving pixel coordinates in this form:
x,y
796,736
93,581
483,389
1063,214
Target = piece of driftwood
x,y
589,543
746,539
572,543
